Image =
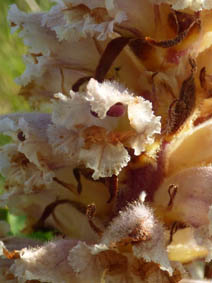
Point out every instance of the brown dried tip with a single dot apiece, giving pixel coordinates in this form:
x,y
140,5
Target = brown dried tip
x,y
171,42
35,55
180,109
137,235
11,255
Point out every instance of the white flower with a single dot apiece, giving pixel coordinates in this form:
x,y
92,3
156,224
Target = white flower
x,y
106,160
51,66
136,224
47,263
82,20
96,139
196,5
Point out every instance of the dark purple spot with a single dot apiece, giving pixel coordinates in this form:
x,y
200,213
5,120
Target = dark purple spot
x,y
21,136
117,110
94,114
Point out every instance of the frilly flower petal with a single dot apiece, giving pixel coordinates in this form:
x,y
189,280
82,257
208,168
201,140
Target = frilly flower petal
x,y
65,142
82,21
98,263
135,217
89,137
140,114
66,110
84,263
155,250
104,95
136,224
196,5
59,63
29,133
39,263
144,122
13,245
90,4
106,160
31,29
20,173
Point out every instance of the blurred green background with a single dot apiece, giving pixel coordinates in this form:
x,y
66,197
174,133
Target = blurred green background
x,y
11,51
12,66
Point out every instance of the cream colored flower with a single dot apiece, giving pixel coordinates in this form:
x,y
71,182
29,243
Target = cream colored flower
x,y
98,138
121,165
195,5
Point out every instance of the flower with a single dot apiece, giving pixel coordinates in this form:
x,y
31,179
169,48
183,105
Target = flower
x,y
97,132
120,166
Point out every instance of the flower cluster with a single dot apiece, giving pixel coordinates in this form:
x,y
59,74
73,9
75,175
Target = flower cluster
x,y
116,157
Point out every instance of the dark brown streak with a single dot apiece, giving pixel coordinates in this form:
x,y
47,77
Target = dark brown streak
x,y
202,79
171,42
62,80
111,52
171,107
49,209
186,102
188,87
172,194
173,230
175,227
90,212
76,173
65,185
79,82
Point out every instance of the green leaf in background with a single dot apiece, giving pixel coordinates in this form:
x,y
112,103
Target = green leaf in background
x,y
42,235
4,139
17,223
3,214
